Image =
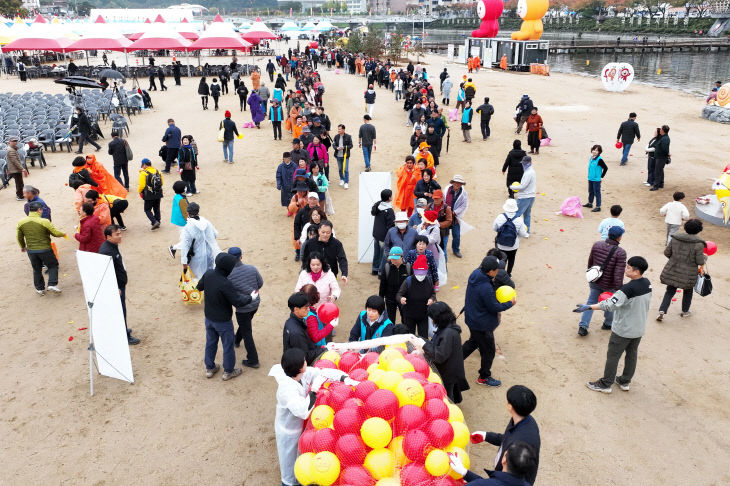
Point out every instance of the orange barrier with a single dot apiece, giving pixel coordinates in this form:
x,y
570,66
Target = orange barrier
x,y
542,69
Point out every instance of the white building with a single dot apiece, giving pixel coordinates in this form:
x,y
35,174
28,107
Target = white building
x,y
31,5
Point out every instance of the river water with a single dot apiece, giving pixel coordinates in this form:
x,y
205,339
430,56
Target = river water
x,y
692,72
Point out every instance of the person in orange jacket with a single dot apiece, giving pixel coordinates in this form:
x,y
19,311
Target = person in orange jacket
x,y
407,179
101,208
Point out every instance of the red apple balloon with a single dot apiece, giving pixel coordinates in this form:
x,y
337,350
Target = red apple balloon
x,y
408,417
327,312
710,248
351,450
381,403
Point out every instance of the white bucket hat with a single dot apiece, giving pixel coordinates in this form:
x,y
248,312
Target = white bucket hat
x,y
510,206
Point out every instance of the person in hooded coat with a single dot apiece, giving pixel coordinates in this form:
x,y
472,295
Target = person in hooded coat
x,y
296,396
257,114
446,87
220,298
444,350
513,166
198,245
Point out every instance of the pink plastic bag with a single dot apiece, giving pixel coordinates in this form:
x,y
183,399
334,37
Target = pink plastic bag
x,y
571,207
453,114
337,71
545,142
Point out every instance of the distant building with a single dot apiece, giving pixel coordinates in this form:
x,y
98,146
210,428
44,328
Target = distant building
x,y
58,8
353,6
31,5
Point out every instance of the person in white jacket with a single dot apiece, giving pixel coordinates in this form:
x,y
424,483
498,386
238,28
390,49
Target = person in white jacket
x,y
510,210
317,272
526,191
295,400
674,213
458,200
198,242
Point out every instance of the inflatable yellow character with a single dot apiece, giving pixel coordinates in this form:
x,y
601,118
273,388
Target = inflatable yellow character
x,y
531,12
722,191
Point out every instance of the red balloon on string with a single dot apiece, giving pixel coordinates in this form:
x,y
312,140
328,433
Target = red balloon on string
x,y
419,364
416,446
348,420
353,403
324,440
710,248
408,417
435,408
434,390
605,296
381,403
358,374
325,363
348,360
350,450
305,441
364,389
440,433
328,311
414,474
356,475
416,376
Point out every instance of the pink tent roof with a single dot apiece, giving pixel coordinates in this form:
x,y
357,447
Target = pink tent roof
x,y
159,19
39,20
100,20
39,44
184,20
257,32
147,21
191,36
220,42
101,43
218,18
161,38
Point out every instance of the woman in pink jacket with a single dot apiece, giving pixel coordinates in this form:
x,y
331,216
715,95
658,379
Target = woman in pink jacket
x,y
317,272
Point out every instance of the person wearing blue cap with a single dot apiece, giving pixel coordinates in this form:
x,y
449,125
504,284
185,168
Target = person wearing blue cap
x,y
606,265
395,272
246,279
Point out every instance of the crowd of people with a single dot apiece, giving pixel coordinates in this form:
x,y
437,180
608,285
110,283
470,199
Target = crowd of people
x,y
411,231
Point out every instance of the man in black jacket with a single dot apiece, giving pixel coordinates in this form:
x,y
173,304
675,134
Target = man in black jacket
x,y
330,247
302,218
295,329
118,151
342,147
521,402
298,153
110,247
626,134
662,157
394,273
84,126
384,220
220,297
486,111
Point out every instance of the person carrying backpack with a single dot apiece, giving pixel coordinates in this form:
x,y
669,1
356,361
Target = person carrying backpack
x,y
416,293
470,90
150,189
509,230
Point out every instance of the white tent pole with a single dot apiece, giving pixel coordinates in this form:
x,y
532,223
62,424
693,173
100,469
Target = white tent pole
x,y
187,60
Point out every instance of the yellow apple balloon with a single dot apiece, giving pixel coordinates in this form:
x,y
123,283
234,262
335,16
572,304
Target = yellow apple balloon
x,y
303,468
461,434
376,433
462,455
410,392
322,416
380,463
325,468
437,463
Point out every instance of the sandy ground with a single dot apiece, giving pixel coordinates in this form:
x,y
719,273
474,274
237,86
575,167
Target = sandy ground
x,y
175,427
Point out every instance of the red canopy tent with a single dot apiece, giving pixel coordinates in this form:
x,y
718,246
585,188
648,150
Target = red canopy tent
x,y
39,19
257,32
188,34
100,20
39,44
218,18
159,19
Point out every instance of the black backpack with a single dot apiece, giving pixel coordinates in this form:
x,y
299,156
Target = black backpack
x,y
153,184
507,233
469,92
